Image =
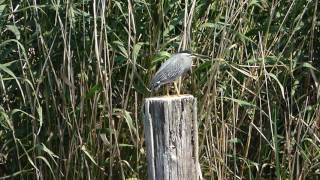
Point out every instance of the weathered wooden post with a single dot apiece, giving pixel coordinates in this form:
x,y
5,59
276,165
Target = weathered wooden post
x,y
171,134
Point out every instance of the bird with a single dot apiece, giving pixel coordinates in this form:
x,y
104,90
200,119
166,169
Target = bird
x,y
172,69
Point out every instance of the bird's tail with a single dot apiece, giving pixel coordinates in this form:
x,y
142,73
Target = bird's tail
x,y
154,86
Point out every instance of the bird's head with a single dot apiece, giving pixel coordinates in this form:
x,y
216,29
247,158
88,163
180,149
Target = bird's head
x,y
187,53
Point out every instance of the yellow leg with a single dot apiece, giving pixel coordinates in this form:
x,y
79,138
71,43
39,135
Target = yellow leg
x,y
179,85
175,86
167,90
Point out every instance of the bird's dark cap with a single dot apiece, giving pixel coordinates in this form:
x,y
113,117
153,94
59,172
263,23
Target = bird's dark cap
x,y
186,51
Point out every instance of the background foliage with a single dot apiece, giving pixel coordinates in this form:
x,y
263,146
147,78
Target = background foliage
x,y
73,76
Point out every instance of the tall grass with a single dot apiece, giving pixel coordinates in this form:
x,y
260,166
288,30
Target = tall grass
x,y
73,75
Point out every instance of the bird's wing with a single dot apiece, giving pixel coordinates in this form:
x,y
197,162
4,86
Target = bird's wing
x,y
168,63
168,74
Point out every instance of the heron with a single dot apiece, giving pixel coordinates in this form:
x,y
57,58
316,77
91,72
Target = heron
x,y
171,70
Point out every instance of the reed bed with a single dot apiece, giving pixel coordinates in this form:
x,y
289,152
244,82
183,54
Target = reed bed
x,y
73,76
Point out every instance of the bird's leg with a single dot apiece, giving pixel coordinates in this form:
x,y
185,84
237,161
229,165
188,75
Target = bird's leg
x,y
179,85
167,87
176,88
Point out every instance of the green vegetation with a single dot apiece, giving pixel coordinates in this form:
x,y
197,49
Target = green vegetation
x,y
73,76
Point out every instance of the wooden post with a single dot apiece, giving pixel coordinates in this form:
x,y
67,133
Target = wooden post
x,y
171,134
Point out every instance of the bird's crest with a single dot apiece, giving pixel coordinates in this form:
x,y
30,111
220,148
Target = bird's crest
x,y
186,51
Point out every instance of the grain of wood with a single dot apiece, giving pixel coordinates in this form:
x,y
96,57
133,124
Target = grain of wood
x,y
170,125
